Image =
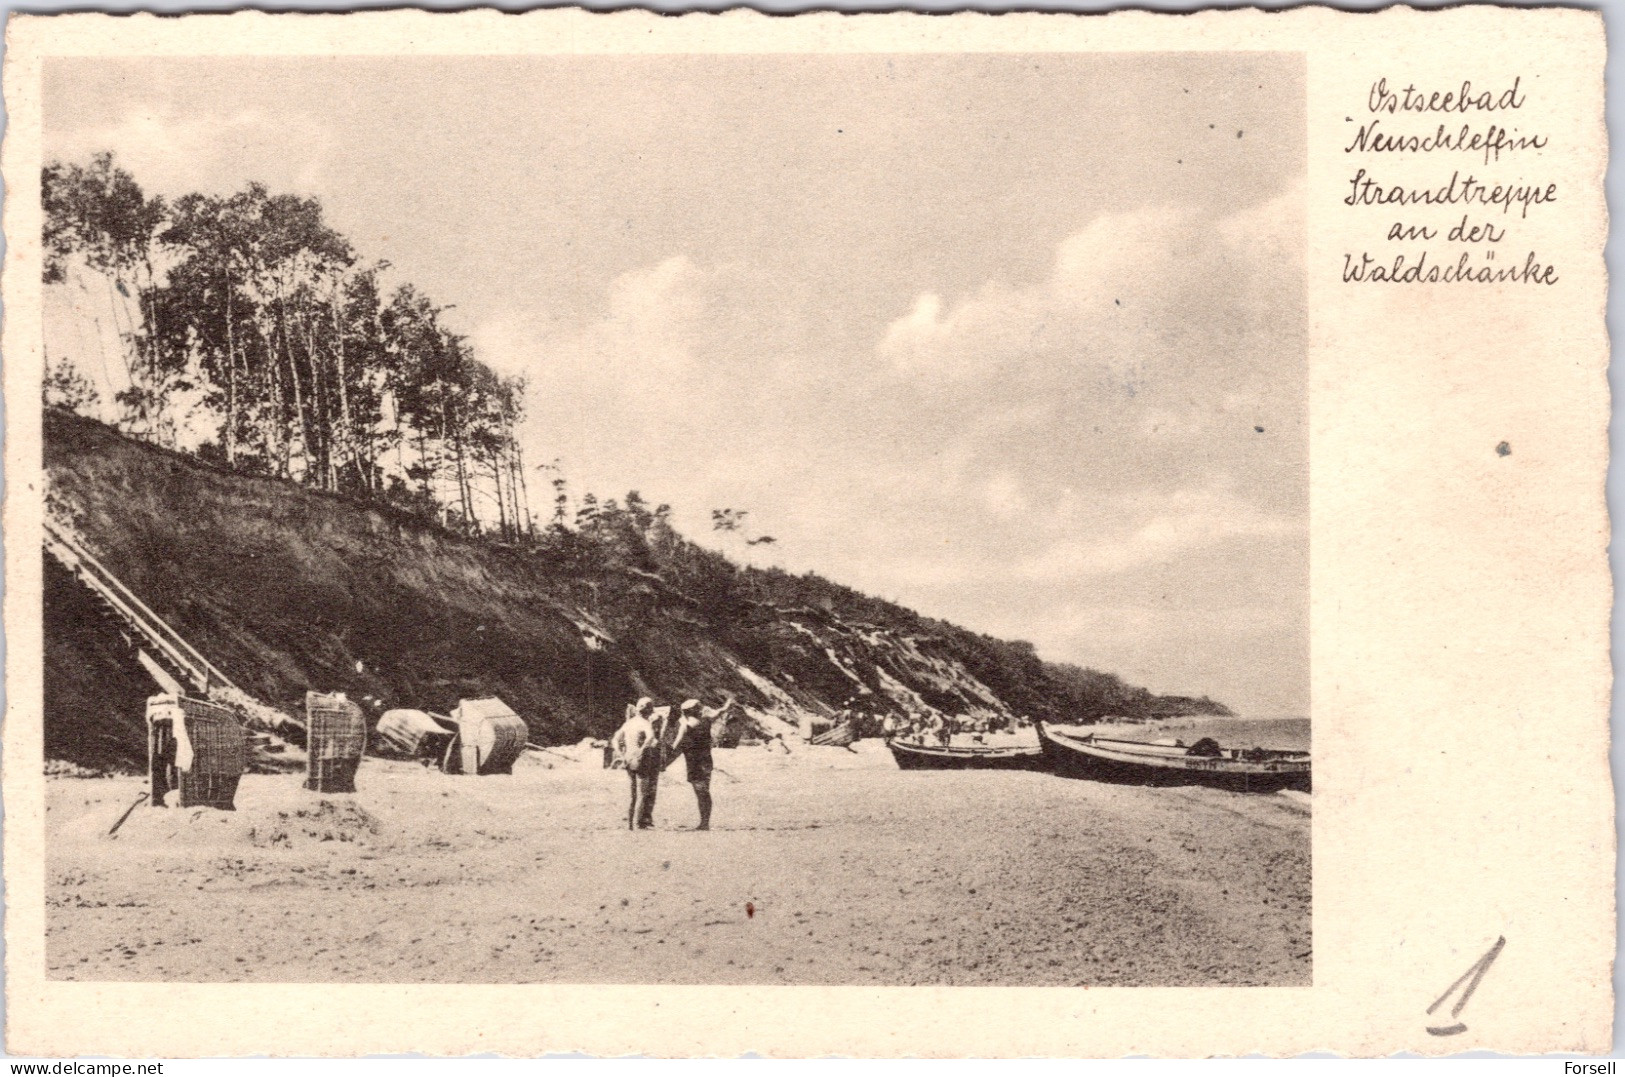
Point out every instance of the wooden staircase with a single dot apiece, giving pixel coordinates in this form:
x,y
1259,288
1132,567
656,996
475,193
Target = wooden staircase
x,y
173,663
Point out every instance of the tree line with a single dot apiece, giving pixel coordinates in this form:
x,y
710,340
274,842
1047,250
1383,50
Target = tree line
x,y
250,319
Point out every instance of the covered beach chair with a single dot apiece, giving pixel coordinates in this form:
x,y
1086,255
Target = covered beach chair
x,y
197,747
490,738
417,734
335,737
839,736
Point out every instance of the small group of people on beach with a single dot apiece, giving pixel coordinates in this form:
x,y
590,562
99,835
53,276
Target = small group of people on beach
x,y
937,727
922,728
650,740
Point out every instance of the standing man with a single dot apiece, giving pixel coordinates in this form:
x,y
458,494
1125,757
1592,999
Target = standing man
x,y
658,759
635,744
693,740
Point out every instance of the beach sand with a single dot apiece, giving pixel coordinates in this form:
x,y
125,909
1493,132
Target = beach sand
x,y
824,866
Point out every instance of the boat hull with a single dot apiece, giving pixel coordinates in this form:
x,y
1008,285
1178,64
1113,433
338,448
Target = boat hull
x,y
927,757
1133,763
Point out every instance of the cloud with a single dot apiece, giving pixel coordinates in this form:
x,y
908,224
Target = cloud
x,y
1153,368
172,152
1129,298
1179,525
642,337
645,392
649,328
1003,495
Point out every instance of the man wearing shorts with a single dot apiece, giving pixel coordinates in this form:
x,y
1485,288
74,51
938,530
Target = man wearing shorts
x,y
693,740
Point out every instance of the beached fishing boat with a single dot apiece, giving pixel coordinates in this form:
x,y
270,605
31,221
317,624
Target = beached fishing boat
x,y
1088,755
914,756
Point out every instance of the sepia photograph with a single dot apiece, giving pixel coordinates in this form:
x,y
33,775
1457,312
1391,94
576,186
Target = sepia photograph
x,y
819,519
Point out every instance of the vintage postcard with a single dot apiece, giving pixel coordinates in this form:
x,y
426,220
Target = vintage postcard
x,y
872,535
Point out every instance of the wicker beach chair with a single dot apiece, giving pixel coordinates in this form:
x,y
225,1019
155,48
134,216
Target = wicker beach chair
x,y
218,750
336,735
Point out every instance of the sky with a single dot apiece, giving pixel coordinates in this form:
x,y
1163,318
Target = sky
x,y
1018,341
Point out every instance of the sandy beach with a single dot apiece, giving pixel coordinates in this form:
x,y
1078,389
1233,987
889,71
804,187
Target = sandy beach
x,y
824,866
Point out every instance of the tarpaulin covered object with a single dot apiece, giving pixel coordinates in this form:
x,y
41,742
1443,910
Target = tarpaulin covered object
x,y
416,733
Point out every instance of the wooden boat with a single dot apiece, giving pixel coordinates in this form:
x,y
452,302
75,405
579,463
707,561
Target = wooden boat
x,y
911,755
1088,755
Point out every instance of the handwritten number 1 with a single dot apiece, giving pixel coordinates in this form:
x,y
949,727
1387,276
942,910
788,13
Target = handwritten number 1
x,y
1471,979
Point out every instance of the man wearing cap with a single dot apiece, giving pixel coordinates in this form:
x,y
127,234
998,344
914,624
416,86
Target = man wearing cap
x,y
637,745
693,741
